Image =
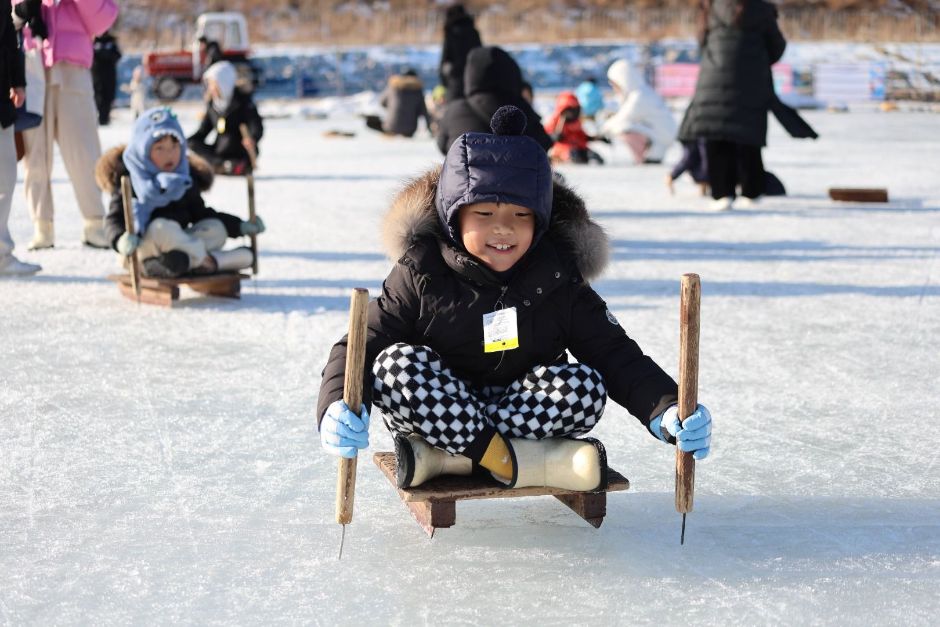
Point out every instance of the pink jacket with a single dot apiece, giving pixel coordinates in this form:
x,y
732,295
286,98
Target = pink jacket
x,y
72,26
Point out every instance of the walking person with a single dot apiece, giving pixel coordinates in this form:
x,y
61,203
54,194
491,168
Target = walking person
x,y
460,37
740,40
70,117
104,74
403,98
12,95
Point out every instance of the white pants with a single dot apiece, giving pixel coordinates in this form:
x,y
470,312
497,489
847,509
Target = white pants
x,y
7,183
71,120
197,241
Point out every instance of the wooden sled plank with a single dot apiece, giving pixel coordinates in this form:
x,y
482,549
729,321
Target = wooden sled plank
x,y
165,292
433,503
859,194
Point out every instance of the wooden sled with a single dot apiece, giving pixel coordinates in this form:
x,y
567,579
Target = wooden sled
x,y
859,194
165,292
433,504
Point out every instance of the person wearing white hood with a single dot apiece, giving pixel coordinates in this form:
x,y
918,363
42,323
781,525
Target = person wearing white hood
x,y
228,108
643,121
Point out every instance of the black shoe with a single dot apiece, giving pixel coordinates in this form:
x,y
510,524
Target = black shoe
x,y
169,265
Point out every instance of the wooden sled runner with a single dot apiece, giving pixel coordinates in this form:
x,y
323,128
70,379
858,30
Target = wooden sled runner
x,y
859,194
433,504
165,292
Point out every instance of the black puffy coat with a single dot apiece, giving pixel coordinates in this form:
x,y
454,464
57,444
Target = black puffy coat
x,y
12,71
228,143
188,210
460,37
436,296
404,100
491,79
735,87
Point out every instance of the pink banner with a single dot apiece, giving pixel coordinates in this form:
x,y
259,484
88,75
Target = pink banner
x,y
677,80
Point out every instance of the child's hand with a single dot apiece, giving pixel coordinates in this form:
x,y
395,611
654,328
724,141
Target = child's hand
x,y
18,96
128,243
693,435
255,227
342,432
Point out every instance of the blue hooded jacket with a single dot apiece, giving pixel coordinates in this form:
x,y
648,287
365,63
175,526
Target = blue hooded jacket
x,y
154,188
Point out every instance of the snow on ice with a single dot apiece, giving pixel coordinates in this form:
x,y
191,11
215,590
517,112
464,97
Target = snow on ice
x,y
162,466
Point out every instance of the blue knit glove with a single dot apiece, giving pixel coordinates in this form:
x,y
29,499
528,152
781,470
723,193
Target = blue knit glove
x,y
127,243
256,227
694,435
342,432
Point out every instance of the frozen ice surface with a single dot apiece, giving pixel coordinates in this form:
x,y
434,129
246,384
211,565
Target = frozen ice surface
x,y
162,466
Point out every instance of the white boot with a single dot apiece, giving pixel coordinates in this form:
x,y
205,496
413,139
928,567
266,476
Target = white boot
x,y
418,462
235,259
93,234
11,266
43,235
722,204
559,463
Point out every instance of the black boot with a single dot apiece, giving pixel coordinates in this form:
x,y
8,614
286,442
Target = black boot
x,y
169,265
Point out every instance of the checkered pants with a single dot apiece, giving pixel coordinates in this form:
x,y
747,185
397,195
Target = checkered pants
x,y
418,394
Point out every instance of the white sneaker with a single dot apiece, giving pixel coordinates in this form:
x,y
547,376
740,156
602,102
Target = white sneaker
x,y
235,259
722,204
43,235
11,266
93,234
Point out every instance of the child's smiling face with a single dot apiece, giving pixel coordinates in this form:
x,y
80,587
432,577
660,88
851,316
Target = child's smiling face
x,y
166,153
498,234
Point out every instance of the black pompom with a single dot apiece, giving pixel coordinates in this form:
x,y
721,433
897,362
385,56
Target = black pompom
x,y
508,120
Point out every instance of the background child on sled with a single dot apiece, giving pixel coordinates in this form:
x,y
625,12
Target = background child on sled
x,y
227,109
174,230
466,347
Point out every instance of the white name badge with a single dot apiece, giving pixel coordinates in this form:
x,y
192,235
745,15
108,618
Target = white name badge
x,y
500,331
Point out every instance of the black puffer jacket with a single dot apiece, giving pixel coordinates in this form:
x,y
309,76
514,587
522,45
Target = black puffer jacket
x,y
491,79
460,37
436,296
404,100
228,143
12,73
188,210
735,88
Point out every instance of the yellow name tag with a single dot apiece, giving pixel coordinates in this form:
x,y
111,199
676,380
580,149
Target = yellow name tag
x,y
220,126
500,331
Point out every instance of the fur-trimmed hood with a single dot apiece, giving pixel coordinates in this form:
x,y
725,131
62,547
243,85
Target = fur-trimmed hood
x,y
413,216
110,168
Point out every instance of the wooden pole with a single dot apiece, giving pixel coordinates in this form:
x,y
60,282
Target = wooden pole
x,y
127,195
689,302
352,396
250,178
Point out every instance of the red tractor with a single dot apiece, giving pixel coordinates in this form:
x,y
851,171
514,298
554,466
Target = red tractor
x,y
223,34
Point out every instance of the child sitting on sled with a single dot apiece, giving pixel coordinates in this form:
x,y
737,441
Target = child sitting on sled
x,y
174,232
564,126
227,110
467,346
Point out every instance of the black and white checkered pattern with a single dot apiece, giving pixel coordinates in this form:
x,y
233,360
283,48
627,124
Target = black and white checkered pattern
x,y
418,394
549,402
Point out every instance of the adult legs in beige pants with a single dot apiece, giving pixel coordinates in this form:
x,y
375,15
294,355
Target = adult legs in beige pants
x,y
70,120
9,265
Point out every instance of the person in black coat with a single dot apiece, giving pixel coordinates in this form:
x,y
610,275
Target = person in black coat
x,y
734,92
12,95
104,74
228,108
467,345
492,79
460,37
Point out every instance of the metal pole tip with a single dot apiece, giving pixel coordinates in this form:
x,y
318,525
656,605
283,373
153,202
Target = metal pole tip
x,y
342,541
682,537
